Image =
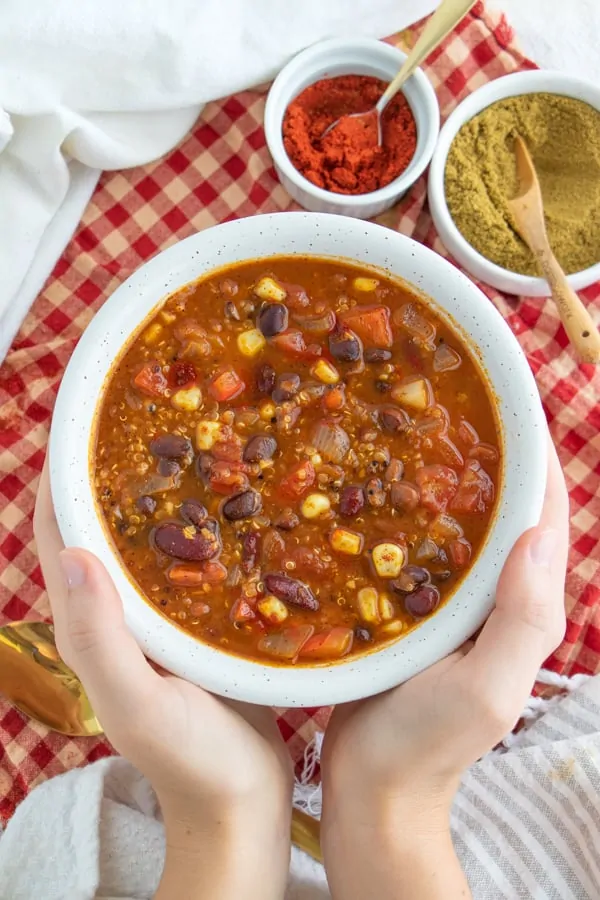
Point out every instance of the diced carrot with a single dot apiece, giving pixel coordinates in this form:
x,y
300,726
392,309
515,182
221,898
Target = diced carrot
x,y
225,385
335,398
293,344
151,380
371,324
331,644
298,480
183,575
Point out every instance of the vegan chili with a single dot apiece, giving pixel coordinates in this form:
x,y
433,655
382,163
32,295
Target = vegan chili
x,y
296,459
348,160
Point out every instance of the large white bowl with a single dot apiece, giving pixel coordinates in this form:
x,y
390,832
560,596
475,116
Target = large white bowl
x,y
349,56
453,295
474,262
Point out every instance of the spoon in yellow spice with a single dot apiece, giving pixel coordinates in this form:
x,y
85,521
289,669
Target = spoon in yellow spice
x,y
527,209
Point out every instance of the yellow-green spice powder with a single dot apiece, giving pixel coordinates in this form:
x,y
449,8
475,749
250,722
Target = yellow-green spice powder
x,y
563,137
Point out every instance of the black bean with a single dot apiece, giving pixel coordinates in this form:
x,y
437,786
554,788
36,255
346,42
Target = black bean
x,y
377,354
146,505
287,520
290,590
409,579
444,575
362,634
272,319
344,345
242,506
384,387
375,492
250,548
204,464
287,387
259,447
394,419
176,541
352,500
193,512
423,601
405,497
170,446
168,467
265,379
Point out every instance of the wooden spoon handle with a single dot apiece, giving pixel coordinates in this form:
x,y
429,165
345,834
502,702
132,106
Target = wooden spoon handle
x,y
306,833
578,323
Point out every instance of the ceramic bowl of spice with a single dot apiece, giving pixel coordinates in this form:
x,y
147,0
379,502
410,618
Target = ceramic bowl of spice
x,y
344,172
473,173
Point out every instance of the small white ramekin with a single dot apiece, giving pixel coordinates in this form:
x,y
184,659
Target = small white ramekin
x,y
532,82
346,56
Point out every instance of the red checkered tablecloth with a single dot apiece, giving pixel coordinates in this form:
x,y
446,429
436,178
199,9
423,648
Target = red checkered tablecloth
x,y
221,171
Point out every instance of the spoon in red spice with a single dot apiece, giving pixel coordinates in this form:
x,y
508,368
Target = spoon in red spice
x,y
446,16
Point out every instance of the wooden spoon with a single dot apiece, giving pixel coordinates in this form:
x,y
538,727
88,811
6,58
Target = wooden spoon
x,y
527,209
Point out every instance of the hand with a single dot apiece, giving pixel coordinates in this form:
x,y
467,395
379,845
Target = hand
x,y
212,763
398,757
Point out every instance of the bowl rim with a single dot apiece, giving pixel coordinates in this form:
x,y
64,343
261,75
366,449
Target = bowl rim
x,y
511,85
283,91
522,423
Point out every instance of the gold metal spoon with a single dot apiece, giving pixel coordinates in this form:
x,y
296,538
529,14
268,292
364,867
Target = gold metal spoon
x,y
527,209
34,678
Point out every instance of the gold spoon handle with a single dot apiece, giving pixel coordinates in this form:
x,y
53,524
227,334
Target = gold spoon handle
x,y
578,323
441,23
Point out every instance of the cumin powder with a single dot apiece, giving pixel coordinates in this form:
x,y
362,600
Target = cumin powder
x,y
563,138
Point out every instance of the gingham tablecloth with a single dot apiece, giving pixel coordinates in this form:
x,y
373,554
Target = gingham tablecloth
x,y
221,171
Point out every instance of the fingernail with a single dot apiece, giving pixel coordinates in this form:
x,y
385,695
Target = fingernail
x,y
543,547
73,569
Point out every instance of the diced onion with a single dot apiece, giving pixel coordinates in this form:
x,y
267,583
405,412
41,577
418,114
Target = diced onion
x,y
414,392
420,328
331,441
445,359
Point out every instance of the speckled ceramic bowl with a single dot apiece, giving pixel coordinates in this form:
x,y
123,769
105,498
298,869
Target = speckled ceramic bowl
x,y
454,296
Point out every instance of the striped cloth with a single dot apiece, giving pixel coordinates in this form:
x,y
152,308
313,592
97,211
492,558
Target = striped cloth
x,y
526,822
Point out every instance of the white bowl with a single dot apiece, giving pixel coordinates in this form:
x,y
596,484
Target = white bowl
x,y
347,56
532,82
455,298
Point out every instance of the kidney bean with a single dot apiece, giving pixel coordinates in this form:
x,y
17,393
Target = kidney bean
x,y
405,497
250,548
287,520
352,500
259,447
174,540
394,419
344,345
377,354
423,601
375,493
193,512
170,446
242,506
265,378
394,471
409,579
290,590
168,467
146,505
272,319
287,387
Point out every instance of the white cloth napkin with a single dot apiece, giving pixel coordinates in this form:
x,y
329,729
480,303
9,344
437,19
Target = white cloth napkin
x,y
107,85
526,824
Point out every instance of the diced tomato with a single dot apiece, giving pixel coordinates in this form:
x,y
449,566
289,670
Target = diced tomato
x,y
182,374
371,324
225,385
229,450
335,398
293,344
448,451
460,553
241,611
184,575
475,491
288,643
299,479
151,380
331,644
438,486
227,477
297,298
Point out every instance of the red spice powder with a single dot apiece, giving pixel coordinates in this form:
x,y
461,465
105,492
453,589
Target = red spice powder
x,y
348,159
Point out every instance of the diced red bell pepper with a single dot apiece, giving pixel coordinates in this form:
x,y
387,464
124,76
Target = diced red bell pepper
x,y
475,491
151,380
182,374
241,611
293,344
438,486
331,644
229,450
299,479
371,324
225,385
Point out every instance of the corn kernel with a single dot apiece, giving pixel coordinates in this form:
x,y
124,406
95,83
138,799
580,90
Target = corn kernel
x,y
393,628
386,608
345,541
207,434
365,284
168,317
268,289
188,399
267,410
325,372
368,605
152,334
272,609
388,559
315,505
250,343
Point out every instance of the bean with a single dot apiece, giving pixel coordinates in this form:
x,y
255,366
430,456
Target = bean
x,y
250,548
375,493
146,505
273,319
231,311
377,354
168,467
176,541
362,634
409,579
204,464
193,512
394,419
405,497
384,387
287,387
170,446
287,520
344,345
265,379
394,471
242,506
423,601
259,447
290,590
352,500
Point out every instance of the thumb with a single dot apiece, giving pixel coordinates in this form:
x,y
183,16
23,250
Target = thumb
x,y
93,639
